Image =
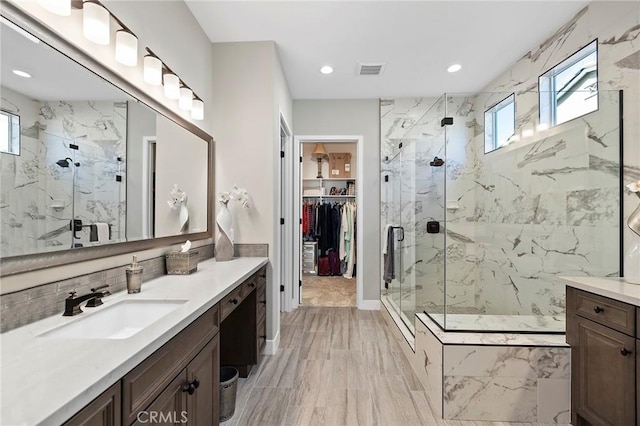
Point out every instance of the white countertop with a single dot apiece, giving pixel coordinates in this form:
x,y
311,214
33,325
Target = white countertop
x,y
46,380
614,288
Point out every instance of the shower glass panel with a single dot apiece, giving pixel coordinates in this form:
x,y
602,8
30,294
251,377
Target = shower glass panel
x,y
546,204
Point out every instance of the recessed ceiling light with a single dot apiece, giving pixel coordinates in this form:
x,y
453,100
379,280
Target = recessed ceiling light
x,y
22,74
454,68
326,69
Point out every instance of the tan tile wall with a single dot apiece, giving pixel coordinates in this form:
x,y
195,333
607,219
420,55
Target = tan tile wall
x,y
33,304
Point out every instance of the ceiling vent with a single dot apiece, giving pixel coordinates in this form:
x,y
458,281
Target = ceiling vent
x,y
370,68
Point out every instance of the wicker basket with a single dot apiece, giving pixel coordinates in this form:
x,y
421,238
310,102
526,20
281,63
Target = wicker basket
x,y
179,263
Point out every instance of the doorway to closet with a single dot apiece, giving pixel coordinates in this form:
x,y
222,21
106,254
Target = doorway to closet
x,y
328,206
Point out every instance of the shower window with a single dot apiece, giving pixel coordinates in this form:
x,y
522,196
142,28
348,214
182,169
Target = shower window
x,y
9,133
570,89
499,123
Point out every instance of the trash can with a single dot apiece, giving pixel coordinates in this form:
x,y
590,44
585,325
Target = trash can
x,y
228,387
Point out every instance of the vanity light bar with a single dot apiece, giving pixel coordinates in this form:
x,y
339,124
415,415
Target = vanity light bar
x,y
174,87
96,20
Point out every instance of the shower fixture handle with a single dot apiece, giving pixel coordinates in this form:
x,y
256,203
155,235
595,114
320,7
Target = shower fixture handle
x,y
597,309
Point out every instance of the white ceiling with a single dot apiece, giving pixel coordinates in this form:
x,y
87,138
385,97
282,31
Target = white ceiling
x,y
417,40
53,75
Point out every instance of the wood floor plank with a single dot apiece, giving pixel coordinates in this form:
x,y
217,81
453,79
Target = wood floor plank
x,y
279,370
353,373
315,345
268,407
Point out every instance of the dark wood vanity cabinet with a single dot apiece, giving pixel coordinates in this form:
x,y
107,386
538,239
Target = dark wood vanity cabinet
x,y
102,411
243,330
179,383
602,335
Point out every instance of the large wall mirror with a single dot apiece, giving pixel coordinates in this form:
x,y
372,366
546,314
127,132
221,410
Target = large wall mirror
x,y
84,164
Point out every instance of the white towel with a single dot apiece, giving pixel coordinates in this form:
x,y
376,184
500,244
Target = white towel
x,y
103,231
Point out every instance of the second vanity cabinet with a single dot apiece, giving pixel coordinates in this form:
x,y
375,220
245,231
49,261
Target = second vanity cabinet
x,y
602,335
179,383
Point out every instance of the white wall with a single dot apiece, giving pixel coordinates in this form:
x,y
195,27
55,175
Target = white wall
x,y
353,117
251,92
185,48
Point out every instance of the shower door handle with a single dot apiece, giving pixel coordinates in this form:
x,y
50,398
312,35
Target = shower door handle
x,y
402,229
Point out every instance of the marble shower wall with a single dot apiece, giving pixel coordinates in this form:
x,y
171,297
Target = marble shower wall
x,y
36,194
543,206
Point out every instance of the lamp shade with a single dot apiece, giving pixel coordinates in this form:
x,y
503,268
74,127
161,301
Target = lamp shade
x,y
59,7
126,48
197,110
185,101
171,86
152,70
319,152
95,23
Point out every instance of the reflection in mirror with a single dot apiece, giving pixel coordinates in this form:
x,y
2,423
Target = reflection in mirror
x,y
82,162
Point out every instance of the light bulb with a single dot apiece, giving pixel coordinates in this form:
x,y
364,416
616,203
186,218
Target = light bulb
x,y
171,86
197,111
185,101
95,23
126,48
152,70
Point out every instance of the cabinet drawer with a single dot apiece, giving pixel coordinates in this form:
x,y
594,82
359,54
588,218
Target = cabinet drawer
x,y
261,276
261,336
611,313
145,382
230,301
261,304
102,411
308,256
248,286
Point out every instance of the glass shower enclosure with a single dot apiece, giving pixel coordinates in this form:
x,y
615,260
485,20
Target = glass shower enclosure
x,y
480,235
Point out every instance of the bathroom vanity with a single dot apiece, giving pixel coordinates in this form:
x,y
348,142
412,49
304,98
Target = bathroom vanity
x,y
603,316
168,366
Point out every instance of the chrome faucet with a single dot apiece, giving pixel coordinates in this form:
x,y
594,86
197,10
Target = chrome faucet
x,y
72,303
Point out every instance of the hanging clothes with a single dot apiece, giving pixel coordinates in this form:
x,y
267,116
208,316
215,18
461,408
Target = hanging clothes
x,y
351,257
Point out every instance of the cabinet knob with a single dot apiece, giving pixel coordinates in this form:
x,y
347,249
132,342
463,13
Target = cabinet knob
x,y
189,388
234,301
263,337
196,383
252,285
597,309
263,275
624,352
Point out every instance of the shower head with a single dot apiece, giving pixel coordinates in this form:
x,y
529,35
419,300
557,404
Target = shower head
x,y
437,162
65,162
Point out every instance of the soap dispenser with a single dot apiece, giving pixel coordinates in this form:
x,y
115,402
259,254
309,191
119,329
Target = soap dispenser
x,y
134,276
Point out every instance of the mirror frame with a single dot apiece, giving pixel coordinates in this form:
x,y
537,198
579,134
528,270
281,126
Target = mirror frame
x,y
31,262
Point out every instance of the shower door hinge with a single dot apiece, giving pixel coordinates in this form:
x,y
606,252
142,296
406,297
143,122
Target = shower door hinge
x,y
281,287
281,154
400,145
73,146
386,178
447,121
300,283
282,221
301,158
386,285
118,178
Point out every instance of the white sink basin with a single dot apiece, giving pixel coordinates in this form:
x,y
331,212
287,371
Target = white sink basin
x,y
121,320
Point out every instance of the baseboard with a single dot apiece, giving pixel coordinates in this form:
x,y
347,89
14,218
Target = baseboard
x,y
272,345
369,305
